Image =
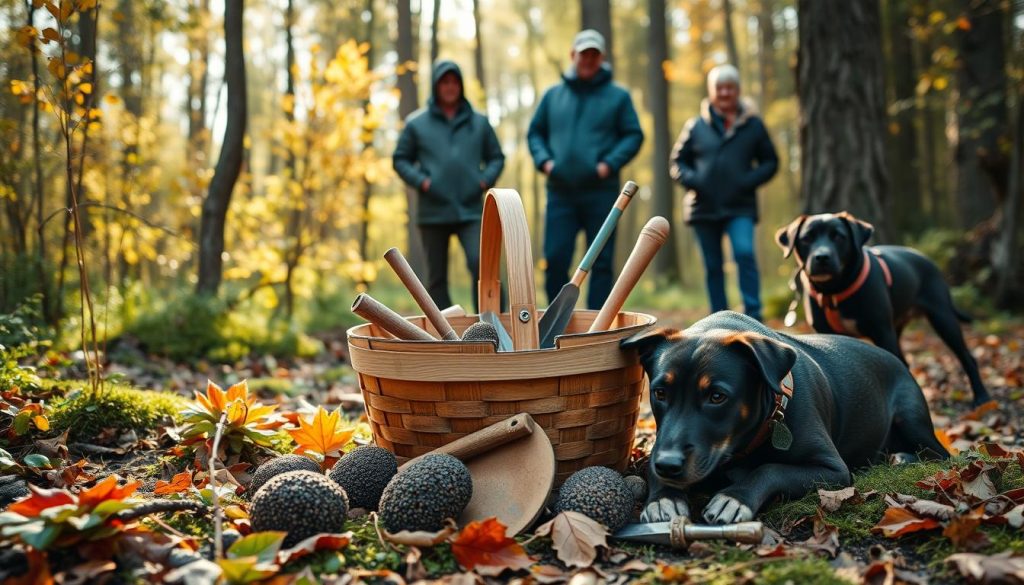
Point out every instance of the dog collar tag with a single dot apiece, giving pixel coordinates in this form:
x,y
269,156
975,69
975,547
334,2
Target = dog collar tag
x,y
782,437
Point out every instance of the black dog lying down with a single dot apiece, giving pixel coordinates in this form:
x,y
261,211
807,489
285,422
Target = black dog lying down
x,y
717,387
855,290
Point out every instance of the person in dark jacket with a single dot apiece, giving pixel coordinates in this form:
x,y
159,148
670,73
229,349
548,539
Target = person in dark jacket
x,y
451,155
721,157
582,134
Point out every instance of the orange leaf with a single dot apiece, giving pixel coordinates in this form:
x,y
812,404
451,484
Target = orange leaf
x,y
106,490
946,442
485,545
39,500
900,521
981,411
323,434
179,483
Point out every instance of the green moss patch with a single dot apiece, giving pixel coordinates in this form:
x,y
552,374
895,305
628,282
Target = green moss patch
x,y
119,407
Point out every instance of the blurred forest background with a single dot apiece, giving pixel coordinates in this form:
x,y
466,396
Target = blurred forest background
x,y
215,178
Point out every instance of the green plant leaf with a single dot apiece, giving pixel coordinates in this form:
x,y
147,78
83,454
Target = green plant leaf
x,y
40,534
263,545
21,422
246,570
7,460
37,460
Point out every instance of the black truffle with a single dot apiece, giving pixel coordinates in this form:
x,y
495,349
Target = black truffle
x,y
421,496
638,486
364,473
301,503
278,465
599,493
12,489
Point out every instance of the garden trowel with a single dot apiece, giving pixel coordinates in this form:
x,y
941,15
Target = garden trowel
x,y
679,533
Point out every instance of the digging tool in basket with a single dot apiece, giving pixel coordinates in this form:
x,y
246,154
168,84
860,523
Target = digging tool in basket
x,y
652,237
380,315
419,294
559,312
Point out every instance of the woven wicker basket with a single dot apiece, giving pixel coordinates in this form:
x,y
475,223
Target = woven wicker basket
x,y
584,393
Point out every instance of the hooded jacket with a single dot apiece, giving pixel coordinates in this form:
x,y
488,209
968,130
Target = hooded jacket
x,y
457,154
579,124
716,166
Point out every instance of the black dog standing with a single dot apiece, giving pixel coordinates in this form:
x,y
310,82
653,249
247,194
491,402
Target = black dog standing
x,y
872,292
767,414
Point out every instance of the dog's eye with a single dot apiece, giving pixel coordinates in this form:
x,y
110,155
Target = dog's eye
x,y
659,393
717,397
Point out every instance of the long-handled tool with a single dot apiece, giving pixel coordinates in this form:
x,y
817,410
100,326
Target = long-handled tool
x,y
380,315
419,293
679,533
651,238
556,317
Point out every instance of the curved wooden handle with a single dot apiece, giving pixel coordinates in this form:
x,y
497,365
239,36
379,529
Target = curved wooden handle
x,y
419,293
380,315
647,245
504,222
487,438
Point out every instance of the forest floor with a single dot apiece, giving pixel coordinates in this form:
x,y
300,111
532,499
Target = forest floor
x,y
914,523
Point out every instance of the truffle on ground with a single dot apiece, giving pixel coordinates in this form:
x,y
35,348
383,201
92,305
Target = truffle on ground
x,y
599,493
423,495
278,465
638,486
364,473
301,503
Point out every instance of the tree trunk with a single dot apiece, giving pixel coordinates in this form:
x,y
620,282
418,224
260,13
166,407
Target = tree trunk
x,y
842,99
1006,256
597,14
981,114
407,104
730,36
903,156
364,218
198,73
665,262
229,163
478,54
49,313
766,52
435,25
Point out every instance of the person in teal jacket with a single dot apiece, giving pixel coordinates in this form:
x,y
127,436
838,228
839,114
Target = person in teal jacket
x,y
584,131
451,155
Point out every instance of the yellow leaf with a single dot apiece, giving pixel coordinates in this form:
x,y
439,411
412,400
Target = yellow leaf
x,y
322,434
52,8
66,7
84,5
41,423
940,83
26,35
112,99
51,34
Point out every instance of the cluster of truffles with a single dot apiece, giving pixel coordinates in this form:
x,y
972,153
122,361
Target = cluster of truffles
x,y
601,494
290,493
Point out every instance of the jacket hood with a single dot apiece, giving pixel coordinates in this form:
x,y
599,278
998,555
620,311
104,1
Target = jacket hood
x,y
440,69
604,75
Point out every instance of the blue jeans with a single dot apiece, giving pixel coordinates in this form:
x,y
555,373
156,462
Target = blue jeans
x,y
741,236
566,216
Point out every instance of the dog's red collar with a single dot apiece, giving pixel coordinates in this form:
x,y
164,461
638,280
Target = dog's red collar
x,y
829,303
777,417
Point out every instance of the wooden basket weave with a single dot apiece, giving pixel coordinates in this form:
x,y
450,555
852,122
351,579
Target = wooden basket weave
x,y
584,393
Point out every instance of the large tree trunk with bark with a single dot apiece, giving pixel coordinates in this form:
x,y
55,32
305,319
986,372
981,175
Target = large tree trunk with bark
x,y
730,36
407,104
229,163
435,25
903,157
597,14
766,53
364,218
665,262
198,76
842,103
982,120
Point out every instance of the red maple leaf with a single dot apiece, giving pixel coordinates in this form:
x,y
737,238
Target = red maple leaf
x,y
484,545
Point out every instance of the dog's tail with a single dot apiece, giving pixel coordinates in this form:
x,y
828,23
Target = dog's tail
x,y
962,316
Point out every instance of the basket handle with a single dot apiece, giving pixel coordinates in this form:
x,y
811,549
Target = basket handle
x,y
504,221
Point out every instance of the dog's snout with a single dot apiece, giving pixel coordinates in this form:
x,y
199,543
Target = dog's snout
x,y
820,256
671,463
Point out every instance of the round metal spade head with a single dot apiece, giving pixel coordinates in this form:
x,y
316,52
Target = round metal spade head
x,y
512,482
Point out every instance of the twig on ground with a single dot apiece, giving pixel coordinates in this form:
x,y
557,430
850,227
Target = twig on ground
x,y
160,506
218,546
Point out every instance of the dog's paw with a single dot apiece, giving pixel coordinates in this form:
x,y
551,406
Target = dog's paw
x,y
723,509
664,510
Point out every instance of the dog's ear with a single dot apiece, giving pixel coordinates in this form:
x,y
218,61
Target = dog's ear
x,y
786,236
647,343
860,230
773,358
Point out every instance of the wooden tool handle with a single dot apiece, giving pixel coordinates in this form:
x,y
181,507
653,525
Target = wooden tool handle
x,y
453,311
650,241
419,293
380,315
487,438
